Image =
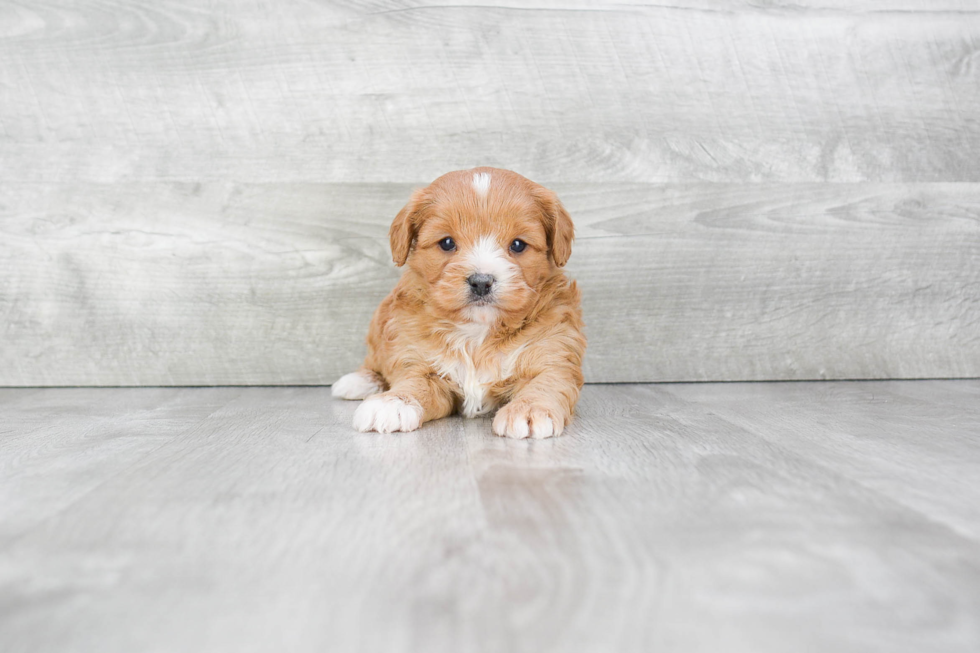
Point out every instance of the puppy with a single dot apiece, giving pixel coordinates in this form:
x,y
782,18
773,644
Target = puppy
x,y
483,316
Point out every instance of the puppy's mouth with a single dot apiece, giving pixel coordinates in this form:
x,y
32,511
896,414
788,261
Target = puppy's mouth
x,y
485,300
481,311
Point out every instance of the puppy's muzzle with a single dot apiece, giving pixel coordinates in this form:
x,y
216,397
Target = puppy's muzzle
x,y
480,284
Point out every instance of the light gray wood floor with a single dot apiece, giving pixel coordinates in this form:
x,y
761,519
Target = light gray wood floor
x,y
715,517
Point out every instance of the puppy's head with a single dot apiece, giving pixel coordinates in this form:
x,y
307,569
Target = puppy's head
x,y
484,240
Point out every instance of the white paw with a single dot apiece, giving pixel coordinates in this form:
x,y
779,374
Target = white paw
x,y
542,428
519,421
386,413
356,385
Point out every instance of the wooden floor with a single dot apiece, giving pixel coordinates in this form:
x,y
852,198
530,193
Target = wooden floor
x,y
715,517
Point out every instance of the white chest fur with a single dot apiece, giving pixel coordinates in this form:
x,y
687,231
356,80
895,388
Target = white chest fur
x,y
458,364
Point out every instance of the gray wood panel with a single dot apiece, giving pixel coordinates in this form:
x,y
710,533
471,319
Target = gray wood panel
x,y
571,90
191,284
197,193
831,517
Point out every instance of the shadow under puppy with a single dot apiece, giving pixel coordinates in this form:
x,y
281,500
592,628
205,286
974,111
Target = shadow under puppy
x,y
483,315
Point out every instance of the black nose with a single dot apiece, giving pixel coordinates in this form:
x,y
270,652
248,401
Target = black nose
x,y
480,284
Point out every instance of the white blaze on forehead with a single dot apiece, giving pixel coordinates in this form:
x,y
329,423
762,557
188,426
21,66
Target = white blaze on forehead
x,y
481,183
487,257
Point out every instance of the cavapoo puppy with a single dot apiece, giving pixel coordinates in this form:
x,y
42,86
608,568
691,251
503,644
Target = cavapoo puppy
x,y
482,318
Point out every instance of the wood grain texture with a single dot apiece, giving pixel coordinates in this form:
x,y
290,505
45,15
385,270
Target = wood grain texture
x,y
574,91
197,193
200,284
831,517
921,464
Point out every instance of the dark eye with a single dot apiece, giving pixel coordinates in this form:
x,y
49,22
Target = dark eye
x,y
518,246
447,244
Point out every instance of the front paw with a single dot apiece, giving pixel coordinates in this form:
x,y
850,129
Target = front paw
x,y
520,420
356,385
386,413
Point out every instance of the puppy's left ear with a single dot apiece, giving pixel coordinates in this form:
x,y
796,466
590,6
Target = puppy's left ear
x,y
405,227
558,226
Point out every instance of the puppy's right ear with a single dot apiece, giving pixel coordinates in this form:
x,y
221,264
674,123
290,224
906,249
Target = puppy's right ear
x,y
405,228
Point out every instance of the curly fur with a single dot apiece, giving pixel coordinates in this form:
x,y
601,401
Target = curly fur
x,y
434,348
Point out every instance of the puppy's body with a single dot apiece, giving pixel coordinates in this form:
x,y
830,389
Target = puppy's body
x,y
482,317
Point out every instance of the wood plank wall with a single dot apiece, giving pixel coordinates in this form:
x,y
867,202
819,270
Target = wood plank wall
x,y
198,193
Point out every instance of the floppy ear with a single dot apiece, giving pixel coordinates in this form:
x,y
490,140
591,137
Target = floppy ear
x,y
558,226
404,228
